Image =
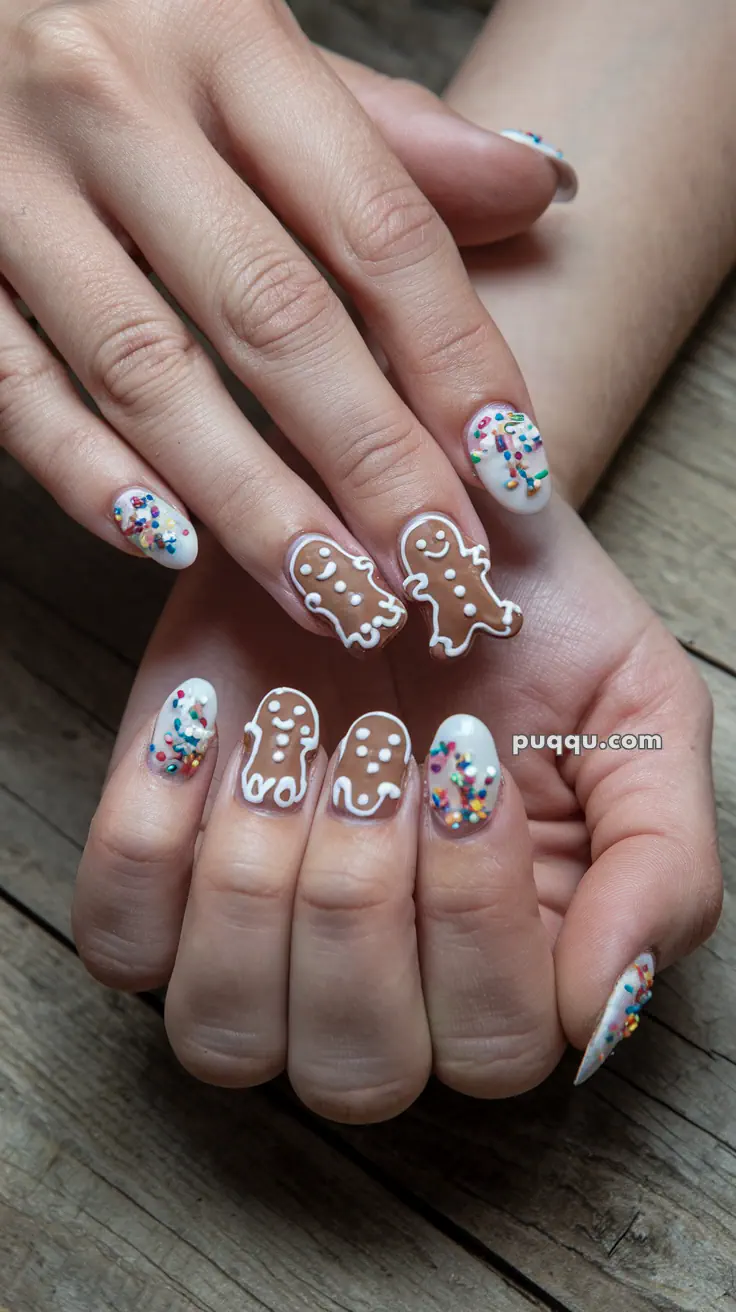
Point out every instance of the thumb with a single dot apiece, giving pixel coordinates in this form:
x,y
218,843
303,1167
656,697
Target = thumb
x,y
484,186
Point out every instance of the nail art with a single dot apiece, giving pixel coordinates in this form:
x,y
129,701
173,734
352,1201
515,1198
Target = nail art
x,y
184,729
620,1016
282,741
453,576
155,528
345,590
567,178
464,774
508,457
371,766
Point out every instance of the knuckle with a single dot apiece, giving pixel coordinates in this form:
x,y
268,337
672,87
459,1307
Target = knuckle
x,y
346,896
494,1066
279,305
392,228
134,858
24,374
359,1105
143,366
242,890
452,349
381,458
119,963
64,52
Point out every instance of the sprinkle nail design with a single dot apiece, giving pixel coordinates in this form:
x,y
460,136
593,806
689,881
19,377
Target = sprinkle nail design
x,y
567,178
371,766
620,1017
508,457
443,569
464,774
155,528
184,729
345,589
282,740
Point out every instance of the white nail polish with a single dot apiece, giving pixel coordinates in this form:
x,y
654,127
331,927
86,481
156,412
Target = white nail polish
x,y
283,738
620,1017
155,528
464,774
508,456
567,178
184,729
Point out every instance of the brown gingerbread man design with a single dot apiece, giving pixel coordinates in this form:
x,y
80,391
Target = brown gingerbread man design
x,y
371,766
282,739
345,590
453,576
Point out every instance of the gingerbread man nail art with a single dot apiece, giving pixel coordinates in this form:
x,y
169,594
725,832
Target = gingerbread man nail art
x,y
345,590
371,766
282,738
453,576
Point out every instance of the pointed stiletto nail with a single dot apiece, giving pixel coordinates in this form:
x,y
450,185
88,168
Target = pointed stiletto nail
x,y
453,577
567,178
155,528
464,774
281,742
184,729
371,767
620,1016
508,456
346,591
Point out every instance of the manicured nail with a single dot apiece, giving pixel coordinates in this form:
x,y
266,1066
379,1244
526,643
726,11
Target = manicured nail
x,y
567,178
346,591
620,1017
370,770
184,729
281,741
508,457
464,774
453,577
155,528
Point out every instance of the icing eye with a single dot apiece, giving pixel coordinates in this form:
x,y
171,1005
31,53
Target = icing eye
x,y
300,710
274,705
304,731
440,534
305,569
384,754
324,552
362,734
394,739
421,544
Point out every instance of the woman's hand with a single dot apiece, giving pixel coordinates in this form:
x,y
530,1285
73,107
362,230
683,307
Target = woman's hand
x,y
199,139
303,940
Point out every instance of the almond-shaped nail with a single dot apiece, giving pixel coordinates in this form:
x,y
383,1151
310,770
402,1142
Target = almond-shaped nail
x,y
464,774
620,1016
567,178
155,528
281,742
370,771
452,576
345,590
184,729
508,457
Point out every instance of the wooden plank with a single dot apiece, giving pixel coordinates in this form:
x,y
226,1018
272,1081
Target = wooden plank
x,y
125,1185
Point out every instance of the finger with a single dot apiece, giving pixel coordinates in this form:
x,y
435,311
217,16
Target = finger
x,y
159,389
226,1006
487,967
483,187
134,874
653,892
93,475
358,1040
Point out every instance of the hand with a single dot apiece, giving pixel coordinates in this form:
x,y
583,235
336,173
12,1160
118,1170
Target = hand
x,y
199,139
518,922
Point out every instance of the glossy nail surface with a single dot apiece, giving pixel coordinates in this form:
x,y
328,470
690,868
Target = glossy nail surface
x,y
620,1017
155,528
184,729
370,770
567,178
464,774
281,742
453,577
345,590
508,457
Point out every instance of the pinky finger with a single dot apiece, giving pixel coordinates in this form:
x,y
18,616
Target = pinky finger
x,y
88,469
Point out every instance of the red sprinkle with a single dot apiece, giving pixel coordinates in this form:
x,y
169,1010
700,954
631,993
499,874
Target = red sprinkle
x,y
203,722
180,692
160,756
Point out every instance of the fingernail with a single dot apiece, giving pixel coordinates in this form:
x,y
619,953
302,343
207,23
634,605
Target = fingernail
x,y
371,767
508,457
464,774
452,576
620,1017
345,590
281,741
567,178
184,729
155,528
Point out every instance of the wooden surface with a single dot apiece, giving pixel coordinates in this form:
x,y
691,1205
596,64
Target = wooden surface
x,y
126,1186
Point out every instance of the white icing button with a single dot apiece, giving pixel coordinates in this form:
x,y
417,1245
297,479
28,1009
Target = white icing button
x,y
355,599
305,569
278,756
362,733
305,731
340,586
324,552
274,705
459,590
469,610
384,754
450,573
363,799
283,739
300,710
361,751
421,544
440,534
394,739
373,767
